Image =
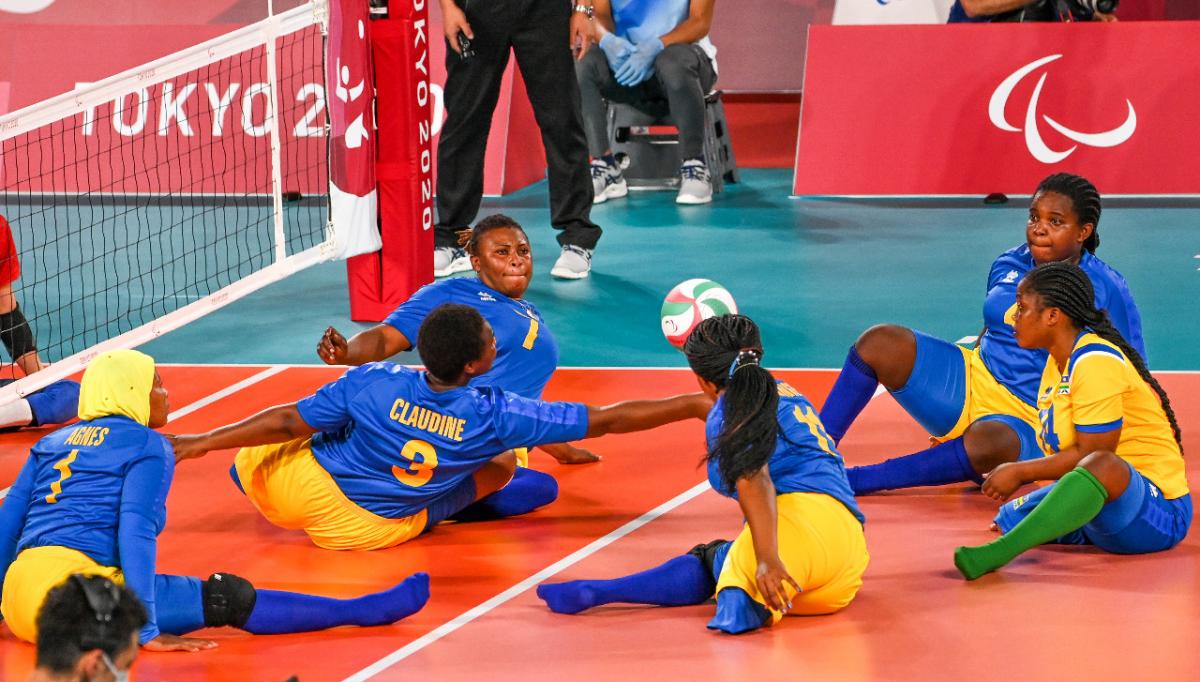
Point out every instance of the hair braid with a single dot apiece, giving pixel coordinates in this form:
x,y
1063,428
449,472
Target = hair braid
x,y
725,351
1066,286
1084,197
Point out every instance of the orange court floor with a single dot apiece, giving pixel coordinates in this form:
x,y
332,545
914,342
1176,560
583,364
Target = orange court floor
x,y
1061,613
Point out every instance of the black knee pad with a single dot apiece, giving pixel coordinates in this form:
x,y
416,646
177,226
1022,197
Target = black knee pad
x,y
16,334
228,600
707,553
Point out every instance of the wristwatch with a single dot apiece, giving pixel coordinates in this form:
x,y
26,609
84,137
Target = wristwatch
x,y
584,9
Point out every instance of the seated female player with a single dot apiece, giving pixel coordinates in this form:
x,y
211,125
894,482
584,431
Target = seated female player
x,y
91,500
978,405
526,351
386,452
802,550
1107,430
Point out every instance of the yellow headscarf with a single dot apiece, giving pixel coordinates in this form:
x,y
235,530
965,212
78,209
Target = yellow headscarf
x,y
117,382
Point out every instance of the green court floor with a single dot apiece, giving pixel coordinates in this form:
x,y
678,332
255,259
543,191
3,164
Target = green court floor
x,y
813,272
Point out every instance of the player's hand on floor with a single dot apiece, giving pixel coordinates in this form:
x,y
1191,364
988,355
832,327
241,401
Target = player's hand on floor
x,y
333,348
187,447
566,453
1002,482
772,575
165,642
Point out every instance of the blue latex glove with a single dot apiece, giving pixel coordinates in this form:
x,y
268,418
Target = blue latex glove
x,y
616,49
640,64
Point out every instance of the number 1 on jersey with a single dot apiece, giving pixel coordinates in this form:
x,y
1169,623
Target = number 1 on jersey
x,y
532,335
64,472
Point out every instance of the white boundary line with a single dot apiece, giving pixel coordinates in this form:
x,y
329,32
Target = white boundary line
x,y
523,586
225,392
209,400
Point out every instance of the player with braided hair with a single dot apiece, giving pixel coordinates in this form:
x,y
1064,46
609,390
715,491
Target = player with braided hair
x,y
802,550
979,405
1108,432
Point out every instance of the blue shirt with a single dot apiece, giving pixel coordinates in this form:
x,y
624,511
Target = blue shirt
x,y
1020,369
526,353
98,487
641,20
393,444
805,458
958,15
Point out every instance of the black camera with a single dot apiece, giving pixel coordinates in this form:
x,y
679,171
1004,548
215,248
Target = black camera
x,y
1059,10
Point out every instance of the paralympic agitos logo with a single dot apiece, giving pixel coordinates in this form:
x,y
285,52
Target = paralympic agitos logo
x,y
1033,138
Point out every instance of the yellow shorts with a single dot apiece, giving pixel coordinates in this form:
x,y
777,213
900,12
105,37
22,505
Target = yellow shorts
x,y
823,547
35,572
986,396
522,456
287,485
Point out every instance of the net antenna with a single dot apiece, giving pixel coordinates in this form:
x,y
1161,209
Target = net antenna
x,y
144,201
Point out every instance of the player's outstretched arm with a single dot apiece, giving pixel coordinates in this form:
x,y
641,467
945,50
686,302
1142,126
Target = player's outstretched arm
x,y
641,415
273,425
377,343
756,495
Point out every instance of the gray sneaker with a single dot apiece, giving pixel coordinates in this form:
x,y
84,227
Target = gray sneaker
x,y
695,183
574,263
607,182
448,260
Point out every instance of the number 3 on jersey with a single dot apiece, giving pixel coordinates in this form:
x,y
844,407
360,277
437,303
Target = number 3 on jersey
x,y
423,458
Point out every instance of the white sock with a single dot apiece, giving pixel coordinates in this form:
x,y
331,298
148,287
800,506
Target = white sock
x,y
17,413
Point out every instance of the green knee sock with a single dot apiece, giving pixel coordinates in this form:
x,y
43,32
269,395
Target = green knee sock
x,y
1076,499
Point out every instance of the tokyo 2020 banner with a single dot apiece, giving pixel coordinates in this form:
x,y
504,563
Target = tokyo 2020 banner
x,y
951,110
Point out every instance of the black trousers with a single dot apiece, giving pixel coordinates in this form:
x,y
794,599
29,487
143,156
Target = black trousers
x,y
683,75
538,31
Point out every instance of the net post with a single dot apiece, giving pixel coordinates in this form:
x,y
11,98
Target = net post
x,y
276,145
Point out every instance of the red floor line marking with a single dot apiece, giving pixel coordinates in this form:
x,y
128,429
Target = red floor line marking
x,y
523,586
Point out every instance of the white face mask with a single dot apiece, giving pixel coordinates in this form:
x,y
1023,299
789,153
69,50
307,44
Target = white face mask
x,y
118,675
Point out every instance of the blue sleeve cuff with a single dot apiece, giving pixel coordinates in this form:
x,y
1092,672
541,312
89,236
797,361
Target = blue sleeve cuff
x,y
1099,428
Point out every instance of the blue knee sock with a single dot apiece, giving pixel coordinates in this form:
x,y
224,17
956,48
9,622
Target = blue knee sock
x,y
527,491
938,465
281,612
54,404
178,604
850,394
682,581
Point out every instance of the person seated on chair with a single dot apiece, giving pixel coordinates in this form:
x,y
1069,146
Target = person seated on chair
x,y
54,404
649,52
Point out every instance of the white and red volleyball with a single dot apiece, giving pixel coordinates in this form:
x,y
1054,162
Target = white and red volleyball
x,y
691,302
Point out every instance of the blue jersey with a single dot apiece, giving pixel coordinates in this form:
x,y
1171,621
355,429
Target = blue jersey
x,y
805,458
526,353
98,487
1020,369
393,444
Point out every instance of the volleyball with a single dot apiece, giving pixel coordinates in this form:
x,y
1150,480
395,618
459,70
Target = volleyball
x,y
691,302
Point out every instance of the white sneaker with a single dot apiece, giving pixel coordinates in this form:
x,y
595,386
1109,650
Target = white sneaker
x,y
574,263
448,260
607,182
695,183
